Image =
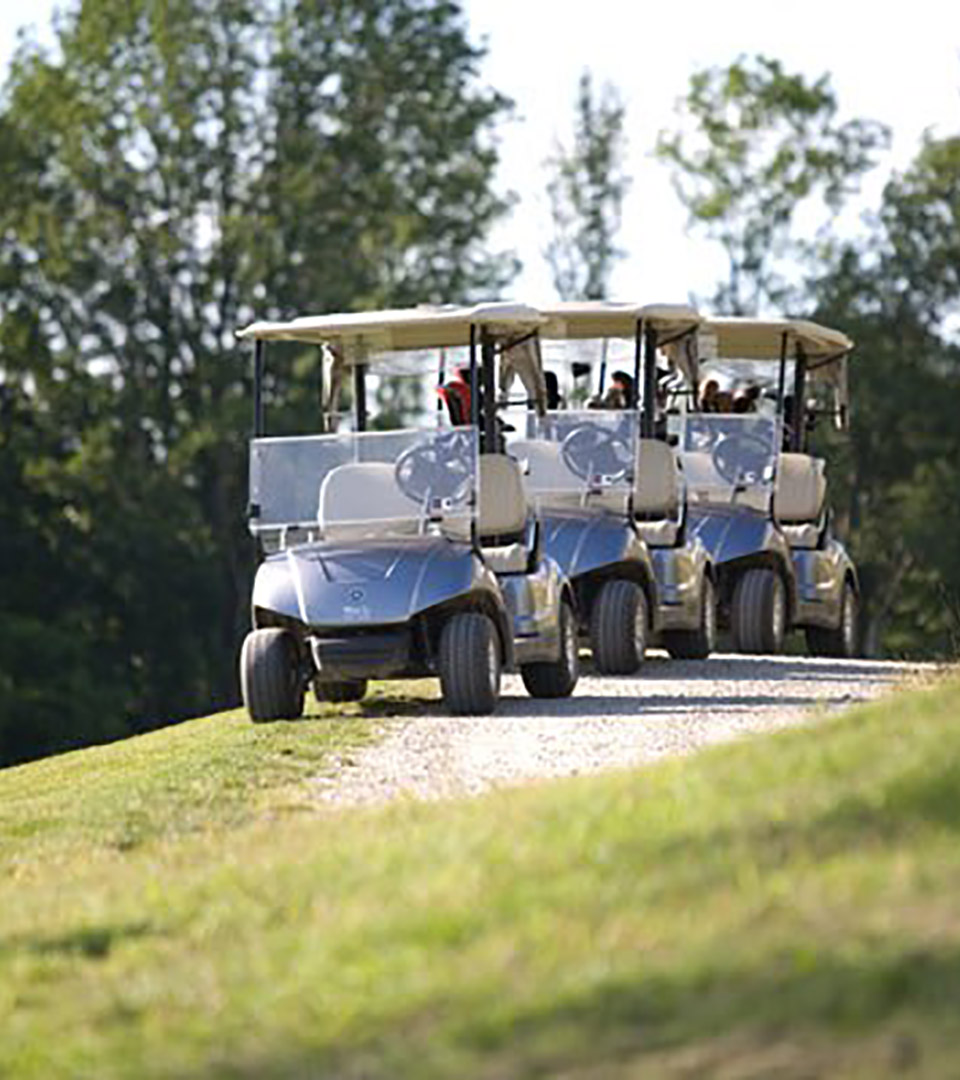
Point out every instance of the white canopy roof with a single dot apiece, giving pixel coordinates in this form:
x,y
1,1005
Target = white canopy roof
x,y
400,329
609,318
760,339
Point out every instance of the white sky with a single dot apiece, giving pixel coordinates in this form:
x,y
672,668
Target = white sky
x,y
899,63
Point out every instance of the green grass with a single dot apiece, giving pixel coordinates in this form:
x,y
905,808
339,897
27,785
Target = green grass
x,y
783,907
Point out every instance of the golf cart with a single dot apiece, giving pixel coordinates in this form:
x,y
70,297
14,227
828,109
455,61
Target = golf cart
x,y
401,553
611,494
757,496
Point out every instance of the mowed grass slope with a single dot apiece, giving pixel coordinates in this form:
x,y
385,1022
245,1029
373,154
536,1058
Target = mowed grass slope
x,y
785,906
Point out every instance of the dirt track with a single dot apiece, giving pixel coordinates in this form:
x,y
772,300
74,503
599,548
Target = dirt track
x,y
672,707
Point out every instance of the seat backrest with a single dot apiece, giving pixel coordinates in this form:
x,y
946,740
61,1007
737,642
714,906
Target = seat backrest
x,y
656,491
800,489
699,470
503,503
546,470
362,497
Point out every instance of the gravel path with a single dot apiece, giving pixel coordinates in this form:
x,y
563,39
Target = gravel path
x,y
673,708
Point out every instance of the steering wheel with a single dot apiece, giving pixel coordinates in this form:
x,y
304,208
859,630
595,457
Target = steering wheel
x,y
439,469
590,451
742,457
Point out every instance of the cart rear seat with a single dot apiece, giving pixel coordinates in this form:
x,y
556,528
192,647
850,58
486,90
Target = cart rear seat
x,y
798,498
557,487
656,493
502,516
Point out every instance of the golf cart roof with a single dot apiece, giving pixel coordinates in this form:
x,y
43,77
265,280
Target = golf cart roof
x,y
400,329
760,339
607,318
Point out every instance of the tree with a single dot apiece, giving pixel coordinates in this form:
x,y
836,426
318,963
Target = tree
x,y
758,144
894,290
762,145
586,195
171,169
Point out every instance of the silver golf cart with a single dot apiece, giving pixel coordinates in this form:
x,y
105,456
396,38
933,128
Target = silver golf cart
x,y
401,553
757,496
611,494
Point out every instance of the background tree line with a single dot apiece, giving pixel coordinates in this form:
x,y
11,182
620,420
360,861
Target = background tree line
x,y
172,169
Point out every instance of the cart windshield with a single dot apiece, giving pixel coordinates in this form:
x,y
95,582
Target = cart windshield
x,y
730,458
363,485
579,458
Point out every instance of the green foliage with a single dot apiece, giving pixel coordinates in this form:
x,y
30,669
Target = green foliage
x,y
180,905
758,144
586,193
894,290
761,145
169,170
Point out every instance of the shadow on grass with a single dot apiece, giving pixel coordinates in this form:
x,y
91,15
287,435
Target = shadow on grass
x,y
610,1025
899,814
89,942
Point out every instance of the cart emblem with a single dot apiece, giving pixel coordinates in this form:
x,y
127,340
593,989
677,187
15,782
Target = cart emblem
x,y
356,595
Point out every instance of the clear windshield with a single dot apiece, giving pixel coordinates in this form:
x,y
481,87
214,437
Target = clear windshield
x,y
370,484
579,458
730,458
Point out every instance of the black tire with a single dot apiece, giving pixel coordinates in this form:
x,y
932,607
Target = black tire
x,y
469,663
758,612
337,690
696,644
618,627
842,641
270,676
556,679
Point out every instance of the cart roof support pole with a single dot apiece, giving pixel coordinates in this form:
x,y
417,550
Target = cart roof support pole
x,y
488,443
360,395
320,401
474,380
649,414
798,437
782,378
259,348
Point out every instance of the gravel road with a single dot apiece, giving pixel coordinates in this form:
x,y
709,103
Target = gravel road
x,y
673,707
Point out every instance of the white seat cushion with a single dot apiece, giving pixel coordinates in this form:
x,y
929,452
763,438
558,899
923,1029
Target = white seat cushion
x,y
503,503
800,490
656,490
362,499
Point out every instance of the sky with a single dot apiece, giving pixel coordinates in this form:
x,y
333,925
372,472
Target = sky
x,y
896,63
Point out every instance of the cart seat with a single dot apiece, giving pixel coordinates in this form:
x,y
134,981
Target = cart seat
x,y
502,516
706,485
798,498
556,485
656,494
361,499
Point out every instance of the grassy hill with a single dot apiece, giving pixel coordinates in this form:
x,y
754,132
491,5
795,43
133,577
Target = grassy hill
x,y
176,906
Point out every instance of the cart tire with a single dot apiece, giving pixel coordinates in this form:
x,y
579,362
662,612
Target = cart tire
x,y
469,663
618,627
338,690
557,679
696,644
842,641
758,613
270,677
